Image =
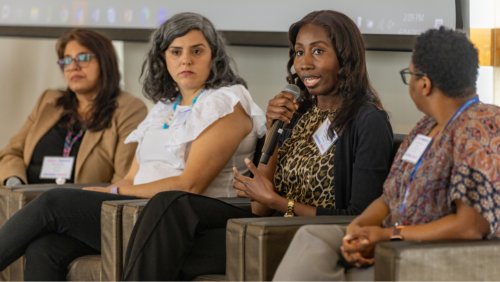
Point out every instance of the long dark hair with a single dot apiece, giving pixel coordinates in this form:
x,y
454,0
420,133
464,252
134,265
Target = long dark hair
x,y
158,84
104,103
354,87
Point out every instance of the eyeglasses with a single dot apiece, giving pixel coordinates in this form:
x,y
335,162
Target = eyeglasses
x,y
81,61
406,75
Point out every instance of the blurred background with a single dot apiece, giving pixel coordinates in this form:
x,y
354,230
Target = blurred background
x,y
28,33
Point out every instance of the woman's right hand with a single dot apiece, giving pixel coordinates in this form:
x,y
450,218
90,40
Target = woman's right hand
x,y
258,188
281,107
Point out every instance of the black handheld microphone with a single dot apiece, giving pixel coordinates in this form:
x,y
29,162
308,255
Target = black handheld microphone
x,y
276,128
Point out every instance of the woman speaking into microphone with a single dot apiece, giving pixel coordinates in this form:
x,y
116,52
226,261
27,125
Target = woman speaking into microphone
x,y
333,159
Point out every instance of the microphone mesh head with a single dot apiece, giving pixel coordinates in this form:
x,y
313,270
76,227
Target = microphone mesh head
x,y
292,89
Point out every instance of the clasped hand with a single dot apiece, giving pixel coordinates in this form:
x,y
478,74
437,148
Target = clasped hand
x,y
358,245
259,188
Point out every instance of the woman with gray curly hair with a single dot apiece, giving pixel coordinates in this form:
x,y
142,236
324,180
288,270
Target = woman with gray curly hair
x,y
203,124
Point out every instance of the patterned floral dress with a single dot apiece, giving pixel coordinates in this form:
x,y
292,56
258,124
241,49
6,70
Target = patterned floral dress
x,y
302,173
462,164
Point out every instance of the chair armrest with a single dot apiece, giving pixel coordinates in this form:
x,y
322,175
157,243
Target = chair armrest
x,y
111,239
438,260
131,212
255,246
20,195
5,192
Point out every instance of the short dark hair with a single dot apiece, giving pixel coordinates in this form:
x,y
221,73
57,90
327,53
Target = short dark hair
x,y
104,103
449,59
355,88
158,83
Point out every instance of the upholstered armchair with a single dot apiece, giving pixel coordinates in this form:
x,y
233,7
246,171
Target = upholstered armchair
x,y
447,260
12,199
254,246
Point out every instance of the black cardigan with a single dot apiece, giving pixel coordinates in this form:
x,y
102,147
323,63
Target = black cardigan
x,y
361,163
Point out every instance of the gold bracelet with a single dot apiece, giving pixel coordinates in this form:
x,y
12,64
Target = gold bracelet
x,y
289,212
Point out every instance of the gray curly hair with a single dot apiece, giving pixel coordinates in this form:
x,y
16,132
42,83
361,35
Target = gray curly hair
x,y
158,85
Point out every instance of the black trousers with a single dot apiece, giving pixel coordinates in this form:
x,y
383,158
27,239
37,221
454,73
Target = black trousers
x,y
179,236
57,227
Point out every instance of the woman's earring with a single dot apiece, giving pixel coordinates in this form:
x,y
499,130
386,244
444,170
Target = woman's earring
x,y
176,89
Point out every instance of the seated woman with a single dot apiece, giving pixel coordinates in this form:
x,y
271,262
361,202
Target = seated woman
x,y
447,191
88,121
204,123
181,235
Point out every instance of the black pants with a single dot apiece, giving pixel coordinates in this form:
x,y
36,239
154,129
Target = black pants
x,y
57,227
179,236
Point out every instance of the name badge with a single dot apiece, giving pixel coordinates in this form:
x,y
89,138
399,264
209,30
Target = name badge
x,y
57,167
322,139
181,118
417,148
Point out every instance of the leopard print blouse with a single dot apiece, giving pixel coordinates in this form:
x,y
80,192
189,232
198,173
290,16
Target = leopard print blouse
x,y
302,173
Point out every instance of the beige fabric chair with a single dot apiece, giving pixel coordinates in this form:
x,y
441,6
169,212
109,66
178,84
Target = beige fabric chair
x,y
450,260
254,246
12,199
132,210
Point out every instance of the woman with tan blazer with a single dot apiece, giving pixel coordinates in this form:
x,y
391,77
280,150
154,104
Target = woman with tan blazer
x,y
89,121
103,157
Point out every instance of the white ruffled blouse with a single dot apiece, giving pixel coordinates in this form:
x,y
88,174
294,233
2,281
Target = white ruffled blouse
x,y
162,153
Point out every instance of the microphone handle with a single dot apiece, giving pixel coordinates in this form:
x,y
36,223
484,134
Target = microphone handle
x,y
271,141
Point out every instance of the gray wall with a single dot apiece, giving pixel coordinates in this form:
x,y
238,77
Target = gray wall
x,y
27,68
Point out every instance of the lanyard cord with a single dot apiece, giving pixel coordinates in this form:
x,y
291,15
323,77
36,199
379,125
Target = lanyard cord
x,y
69,142
177,102
461,110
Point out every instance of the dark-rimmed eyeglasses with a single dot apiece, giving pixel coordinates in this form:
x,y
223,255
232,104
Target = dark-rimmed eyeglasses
x,y
81,61
406,75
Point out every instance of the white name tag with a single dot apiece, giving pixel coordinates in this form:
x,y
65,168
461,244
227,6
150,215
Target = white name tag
x,y
57,167
417,148
181,118
322,139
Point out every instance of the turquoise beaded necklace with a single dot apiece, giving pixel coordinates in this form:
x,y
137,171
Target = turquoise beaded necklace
x,y
177,102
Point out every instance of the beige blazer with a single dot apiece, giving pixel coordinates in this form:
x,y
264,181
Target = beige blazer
x,y
102,158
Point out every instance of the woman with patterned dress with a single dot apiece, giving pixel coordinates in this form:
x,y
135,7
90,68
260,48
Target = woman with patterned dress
x,y
180,236
443,184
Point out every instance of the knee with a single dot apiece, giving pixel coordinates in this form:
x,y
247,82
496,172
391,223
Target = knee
x,y
38,250
307,231
168,196
319,232
173,201
54,197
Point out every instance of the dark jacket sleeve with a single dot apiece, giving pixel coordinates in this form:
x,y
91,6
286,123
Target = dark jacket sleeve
x,y
362,162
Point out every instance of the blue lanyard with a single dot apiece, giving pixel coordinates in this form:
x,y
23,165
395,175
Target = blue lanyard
x,y
461,110
178,101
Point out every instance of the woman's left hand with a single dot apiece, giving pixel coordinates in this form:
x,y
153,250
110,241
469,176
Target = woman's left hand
x,y
259,188
97,189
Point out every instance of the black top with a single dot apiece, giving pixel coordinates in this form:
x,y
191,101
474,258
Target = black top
x,y
51,145
363,157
